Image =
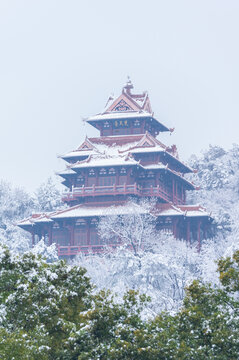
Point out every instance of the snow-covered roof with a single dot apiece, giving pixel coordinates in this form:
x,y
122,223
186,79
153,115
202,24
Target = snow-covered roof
x,y
86,210
26,222
172,211
105,144
154,166
120,115
194,210
67,172
126,115
149,149
36,218
117,139
44,218
77,153
182,210
91,211
100,161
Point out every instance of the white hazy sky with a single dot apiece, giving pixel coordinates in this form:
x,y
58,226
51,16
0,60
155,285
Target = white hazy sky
x,y
59,61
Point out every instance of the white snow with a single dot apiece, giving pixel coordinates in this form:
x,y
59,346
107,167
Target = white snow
x,y
98,161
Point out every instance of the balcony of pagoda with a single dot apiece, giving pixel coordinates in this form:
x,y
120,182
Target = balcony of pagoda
x,y
159,191
72,250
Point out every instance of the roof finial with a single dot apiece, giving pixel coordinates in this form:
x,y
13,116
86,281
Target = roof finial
x,y
128,86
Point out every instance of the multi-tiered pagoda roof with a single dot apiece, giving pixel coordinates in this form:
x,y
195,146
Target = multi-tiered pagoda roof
x,y
125,161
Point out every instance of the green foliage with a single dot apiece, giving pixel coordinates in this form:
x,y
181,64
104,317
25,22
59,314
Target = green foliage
x,y
42,298
49,311
229,272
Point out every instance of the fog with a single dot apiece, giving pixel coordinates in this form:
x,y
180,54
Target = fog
x,y
61,59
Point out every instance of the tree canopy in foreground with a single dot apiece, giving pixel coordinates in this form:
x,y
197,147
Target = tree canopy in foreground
x,y
50,311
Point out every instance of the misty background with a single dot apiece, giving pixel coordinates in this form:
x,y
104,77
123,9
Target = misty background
x,y
60,60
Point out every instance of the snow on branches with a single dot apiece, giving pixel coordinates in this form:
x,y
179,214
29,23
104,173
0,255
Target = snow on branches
x,y
135,230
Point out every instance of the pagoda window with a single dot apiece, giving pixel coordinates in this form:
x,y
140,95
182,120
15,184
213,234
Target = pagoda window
x,y
80,180
80,233
137,123
150,174
122,176
60,235
168,220
94,237
91,177
94,222
106,125
92,172
165,224
122,179
112,171
107,180
102,172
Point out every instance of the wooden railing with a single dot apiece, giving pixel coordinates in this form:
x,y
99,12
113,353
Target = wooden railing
x,y
134,189
101,190
69,250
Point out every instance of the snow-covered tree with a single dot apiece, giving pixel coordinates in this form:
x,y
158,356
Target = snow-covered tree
x,y
161,273
48,196
15,204
218,177
134,229
49,253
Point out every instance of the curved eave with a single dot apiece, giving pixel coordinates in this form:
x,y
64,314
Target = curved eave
x,y
26,226
185,167
164,168
74,158
66,176
187,215
158,125
188,184
184,211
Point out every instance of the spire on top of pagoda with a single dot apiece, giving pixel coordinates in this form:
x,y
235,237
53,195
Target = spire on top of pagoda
x,y
128,101
129,113
128,86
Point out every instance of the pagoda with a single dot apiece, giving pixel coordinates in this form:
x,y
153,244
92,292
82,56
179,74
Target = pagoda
x,y
126,161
